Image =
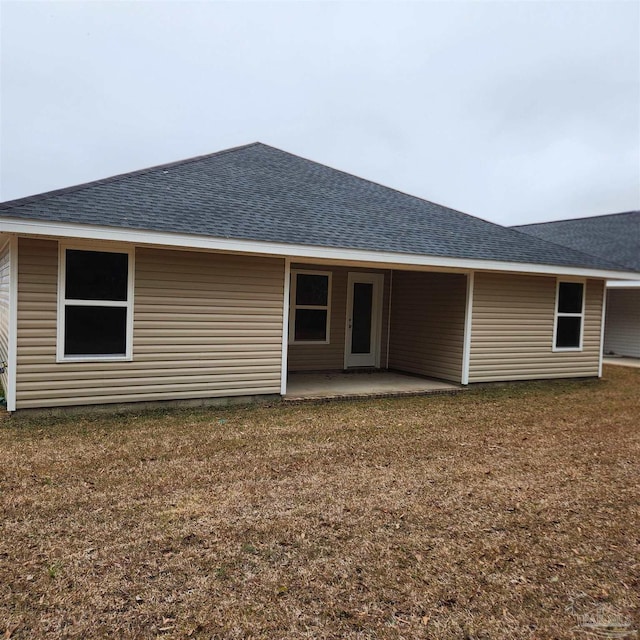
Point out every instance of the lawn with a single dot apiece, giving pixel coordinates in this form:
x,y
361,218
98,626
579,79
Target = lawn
x,y
504,512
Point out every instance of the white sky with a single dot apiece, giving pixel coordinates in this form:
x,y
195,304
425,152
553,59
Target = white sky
x,y
513,111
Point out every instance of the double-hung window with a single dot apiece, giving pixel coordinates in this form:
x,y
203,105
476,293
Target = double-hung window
x,y
95,304
310,306
569,321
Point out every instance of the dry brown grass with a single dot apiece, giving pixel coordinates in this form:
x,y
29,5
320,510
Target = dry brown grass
x,y
482,515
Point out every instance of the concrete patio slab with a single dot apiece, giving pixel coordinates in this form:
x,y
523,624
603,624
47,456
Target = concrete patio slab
x,y
622,361
315,386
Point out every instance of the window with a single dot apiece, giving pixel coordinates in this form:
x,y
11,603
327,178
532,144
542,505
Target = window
x,y
310,306
95,292
569,316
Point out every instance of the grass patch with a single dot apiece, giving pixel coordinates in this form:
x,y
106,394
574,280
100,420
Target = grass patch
x,y
504,512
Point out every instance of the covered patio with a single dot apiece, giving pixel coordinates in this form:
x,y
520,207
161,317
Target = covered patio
x,y
361,384
364,331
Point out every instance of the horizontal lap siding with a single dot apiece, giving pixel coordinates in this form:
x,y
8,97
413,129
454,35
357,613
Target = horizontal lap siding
x,y
427,323
327,357
622,324
5,274
205,325
512,330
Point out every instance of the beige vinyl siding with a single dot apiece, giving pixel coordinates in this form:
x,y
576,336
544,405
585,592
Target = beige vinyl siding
x,y
512,330
622,323
5,276
205,325
327,357
427,323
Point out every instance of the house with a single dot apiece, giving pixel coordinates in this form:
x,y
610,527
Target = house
x,y
218,276
615,237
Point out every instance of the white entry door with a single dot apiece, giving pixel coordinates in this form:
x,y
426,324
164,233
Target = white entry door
x,y
364,319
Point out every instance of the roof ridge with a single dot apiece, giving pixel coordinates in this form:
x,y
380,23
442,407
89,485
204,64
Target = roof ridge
x,y
19,202
601,215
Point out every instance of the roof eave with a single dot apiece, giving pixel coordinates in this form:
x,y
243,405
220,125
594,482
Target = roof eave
x,y
94,233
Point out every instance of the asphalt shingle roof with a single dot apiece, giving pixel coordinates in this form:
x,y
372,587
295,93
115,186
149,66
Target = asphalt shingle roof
x,y
615,237
257,192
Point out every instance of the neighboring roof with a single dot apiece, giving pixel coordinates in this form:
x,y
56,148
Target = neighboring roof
x,y
257,192
615,237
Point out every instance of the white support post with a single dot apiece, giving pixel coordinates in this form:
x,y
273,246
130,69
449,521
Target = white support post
x,y
466,353
602,319
389,315
285,326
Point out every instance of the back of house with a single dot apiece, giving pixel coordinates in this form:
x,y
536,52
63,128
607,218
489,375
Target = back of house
x,y
216,278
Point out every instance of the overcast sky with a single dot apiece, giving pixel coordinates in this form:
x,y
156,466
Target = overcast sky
x,y
514,111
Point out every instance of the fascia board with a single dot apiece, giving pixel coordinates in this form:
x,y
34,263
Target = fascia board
x,y
294,251
623,284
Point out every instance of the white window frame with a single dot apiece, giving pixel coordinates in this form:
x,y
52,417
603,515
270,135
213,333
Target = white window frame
x,y
294,306
558,314
63,302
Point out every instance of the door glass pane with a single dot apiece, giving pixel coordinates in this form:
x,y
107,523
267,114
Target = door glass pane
x,y
96,275
95,331
311,324
361,326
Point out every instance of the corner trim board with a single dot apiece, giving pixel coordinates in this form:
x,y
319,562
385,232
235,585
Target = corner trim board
x,y
12,373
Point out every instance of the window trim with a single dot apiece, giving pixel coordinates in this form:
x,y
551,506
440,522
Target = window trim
x,y
293,306
63,302
557,314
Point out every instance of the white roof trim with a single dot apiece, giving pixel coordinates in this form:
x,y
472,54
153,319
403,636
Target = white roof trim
x,y
281,249
623,284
